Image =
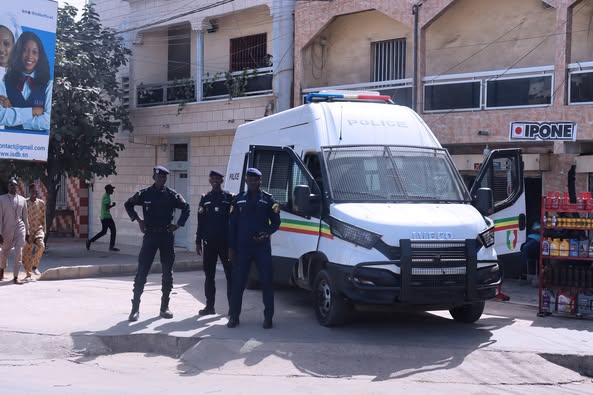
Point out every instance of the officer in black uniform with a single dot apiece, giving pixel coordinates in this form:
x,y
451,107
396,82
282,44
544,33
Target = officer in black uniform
x,y
212,235
255,215
158,206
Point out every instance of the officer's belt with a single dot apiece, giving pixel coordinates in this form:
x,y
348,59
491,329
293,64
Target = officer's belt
x,y
156,229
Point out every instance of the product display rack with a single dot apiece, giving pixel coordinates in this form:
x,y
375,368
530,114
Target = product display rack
x,y
566,277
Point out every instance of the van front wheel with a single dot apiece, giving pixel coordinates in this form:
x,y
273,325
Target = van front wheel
x,y
331,308
468,313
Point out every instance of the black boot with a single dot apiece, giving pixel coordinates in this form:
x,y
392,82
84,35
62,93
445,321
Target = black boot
x,y
207,311
135,313
165,312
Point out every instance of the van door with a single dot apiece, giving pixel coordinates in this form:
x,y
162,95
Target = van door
x,y
282,170
502,171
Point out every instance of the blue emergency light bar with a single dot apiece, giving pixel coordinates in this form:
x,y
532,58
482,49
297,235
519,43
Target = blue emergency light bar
x,y
328,96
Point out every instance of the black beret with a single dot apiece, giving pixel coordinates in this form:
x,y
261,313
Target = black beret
x,y
214,173
252,171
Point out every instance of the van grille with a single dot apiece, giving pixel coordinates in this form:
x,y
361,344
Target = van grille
x,y
438,264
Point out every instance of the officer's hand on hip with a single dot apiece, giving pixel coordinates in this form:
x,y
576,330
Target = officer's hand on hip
x,y
172,227
141,225
199,247
231,255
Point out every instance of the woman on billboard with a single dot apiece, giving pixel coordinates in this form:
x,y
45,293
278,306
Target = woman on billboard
x,y
26,88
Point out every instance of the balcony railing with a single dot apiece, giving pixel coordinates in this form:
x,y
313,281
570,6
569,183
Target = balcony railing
x,y
399,90
171,92
249,83
239,83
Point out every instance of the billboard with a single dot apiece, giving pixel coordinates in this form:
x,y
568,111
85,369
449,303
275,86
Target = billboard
x,y
27,48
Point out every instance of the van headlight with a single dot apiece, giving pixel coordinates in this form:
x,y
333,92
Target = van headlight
x,y
486,237
354,234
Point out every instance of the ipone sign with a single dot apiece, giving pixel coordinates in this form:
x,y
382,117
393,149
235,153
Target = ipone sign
x,y
548,131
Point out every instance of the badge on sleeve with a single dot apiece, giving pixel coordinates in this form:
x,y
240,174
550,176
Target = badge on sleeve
x,y
276,208
201,210
231,210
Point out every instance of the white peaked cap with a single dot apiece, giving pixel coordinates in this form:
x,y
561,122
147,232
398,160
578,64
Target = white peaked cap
x,y
9,21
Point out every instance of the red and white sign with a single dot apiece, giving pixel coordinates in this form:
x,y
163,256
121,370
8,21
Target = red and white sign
x,y
543,131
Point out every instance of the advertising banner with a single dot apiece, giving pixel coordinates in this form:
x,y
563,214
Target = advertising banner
x,y
27,48
543,131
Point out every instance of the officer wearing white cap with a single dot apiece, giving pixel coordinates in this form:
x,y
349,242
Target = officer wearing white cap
x,y
158,206
212,237
255,215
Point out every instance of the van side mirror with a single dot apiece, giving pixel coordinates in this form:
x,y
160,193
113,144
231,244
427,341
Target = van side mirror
x,y
484,201
302,199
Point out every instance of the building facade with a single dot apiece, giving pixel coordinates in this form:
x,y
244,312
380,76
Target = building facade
x,y
482,74
195,74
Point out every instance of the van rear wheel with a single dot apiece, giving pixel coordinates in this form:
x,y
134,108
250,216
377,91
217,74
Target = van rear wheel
x,y
331,308
468,313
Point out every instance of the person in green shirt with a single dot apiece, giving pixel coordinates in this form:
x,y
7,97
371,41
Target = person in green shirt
x,y
106,220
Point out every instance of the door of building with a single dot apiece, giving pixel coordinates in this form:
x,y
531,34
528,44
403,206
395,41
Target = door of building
x,y
180,182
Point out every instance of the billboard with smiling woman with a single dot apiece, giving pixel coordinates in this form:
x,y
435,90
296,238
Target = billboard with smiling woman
x,y
27,48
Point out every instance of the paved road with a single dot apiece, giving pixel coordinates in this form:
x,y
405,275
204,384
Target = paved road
x,y
72,337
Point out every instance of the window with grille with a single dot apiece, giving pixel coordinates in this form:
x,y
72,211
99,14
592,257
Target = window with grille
x,y
62,196
249,52
125,92
388,60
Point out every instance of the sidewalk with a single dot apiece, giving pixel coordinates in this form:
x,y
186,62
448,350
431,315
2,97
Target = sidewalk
x,y
68,258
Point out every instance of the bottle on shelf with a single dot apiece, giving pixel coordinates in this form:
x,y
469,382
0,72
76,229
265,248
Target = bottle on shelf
x,y
556,201
554,221
580,201
548,200
555,247
565,203
588,201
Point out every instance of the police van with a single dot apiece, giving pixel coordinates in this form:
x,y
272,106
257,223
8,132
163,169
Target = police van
x,y
373,209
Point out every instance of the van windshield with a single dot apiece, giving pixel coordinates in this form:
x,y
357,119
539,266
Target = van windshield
x,y
392,174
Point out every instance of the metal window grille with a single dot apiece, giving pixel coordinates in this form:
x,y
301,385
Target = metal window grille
x,y
388,60
249,52
125,92
62,196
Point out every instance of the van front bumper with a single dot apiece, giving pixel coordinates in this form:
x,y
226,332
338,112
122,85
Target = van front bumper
x,y
428,278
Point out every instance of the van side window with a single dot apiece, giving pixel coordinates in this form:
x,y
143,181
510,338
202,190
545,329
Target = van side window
x,y
504,181
280,174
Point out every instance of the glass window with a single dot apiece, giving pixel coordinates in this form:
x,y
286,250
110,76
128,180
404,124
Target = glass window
x,y
453,96
581,87
179,53
515,92
503,179
180,152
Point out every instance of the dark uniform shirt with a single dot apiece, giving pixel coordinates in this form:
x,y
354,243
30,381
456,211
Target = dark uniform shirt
x,y
213,216
251,215
158,207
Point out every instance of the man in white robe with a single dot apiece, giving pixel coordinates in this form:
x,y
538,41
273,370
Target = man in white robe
x,y
14,228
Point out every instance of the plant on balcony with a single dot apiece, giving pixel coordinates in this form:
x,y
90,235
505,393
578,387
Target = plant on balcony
x,y
235,84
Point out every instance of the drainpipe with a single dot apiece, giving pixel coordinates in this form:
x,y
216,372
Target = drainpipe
x,y
415,11
283,53
199,64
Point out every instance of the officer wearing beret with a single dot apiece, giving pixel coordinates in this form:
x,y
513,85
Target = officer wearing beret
x,y
158,206
255,215
211,237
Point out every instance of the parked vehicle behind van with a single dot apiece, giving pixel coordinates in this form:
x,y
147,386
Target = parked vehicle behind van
x,y
374,211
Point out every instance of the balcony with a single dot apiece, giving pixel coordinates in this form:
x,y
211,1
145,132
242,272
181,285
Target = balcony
x,y
246,83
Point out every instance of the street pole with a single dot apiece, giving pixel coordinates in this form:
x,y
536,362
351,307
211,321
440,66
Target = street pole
x,y
415,10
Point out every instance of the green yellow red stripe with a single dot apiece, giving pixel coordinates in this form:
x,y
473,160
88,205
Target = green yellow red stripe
x,y
506,223
305,227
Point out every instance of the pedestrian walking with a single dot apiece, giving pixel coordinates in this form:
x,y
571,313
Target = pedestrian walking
x,y
14,228
106,220
212,238
158,206
33,250
254,216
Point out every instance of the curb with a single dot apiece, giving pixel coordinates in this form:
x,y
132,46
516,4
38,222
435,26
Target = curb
x,y
126,269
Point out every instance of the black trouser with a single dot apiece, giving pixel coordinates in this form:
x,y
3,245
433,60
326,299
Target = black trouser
x,y
153,241
212,251
106,224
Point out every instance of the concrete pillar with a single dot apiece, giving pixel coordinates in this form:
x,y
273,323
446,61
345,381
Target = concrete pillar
x,y
199,63
562,53
283,53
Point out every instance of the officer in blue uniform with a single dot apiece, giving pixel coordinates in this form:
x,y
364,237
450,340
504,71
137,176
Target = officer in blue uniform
x,y
212,237
158,206
255,215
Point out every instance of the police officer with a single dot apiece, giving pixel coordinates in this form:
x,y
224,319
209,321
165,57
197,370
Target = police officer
x,y
255,215
212,234
158,206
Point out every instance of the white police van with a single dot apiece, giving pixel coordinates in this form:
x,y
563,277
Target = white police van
x,y
374,211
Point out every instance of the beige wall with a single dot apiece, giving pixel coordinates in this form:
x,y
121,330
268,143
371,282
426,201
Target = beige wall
x,y
457,41
346,56
246,23
582,32
149,59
